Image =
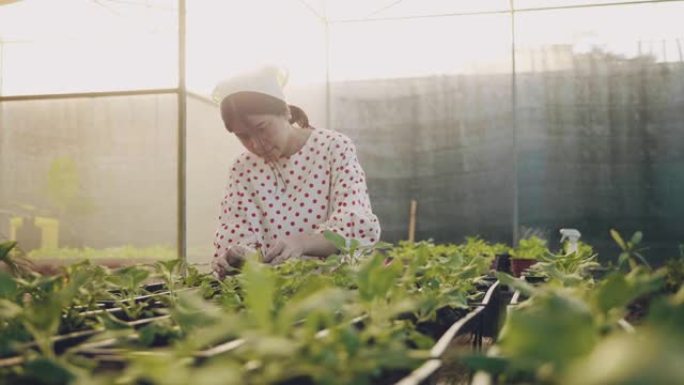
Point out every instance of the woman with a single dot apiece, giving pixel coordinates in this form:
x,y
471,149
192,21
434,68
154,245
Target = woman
x,y
292,183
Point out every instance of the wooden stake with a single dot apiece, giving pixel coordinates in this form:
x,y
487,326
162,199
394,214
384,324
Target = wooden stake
x,y
412,221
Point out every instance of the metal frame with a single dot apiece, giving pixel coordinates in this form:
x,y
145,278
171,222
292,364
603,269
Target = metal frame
x,y
511,10
75,95
181,97
182,137
514,127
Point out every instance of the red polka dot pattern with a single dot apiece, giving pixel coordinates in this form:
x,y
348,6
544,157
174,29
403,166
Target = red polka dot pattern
x,y
325,190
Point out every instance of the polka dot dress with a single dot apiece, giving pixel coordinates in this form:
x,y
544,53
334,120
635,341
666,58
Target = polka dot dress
x,y
321,187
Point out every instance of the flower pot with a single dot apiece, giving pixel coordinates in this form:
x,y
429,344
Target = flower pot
x,y
518,266
502,263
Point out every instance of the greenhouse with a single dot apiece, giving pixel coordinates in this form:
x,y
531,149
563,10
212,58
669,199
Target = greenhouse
x,y
342,192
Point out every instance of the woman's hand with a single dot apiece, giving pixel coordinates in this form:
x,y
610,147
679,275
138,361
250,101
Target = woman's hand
x,y
231,259
290,247
314,245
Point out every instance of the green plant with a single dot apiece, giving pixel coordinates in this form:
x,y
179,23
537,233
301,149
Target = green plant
x,y
40,312
568,268
578,314
169,272
674,277
630,254
530,248
352,250
477,247
17,266
350,318
126,283
652,355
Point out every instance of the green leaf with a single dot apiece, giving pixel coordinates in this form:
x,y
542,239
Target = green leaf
x,y
642,259
156,333
112,323
492,365
9,309
351,341
337,240
167,267
193,312
8,287
553,327
385,246
518,284
5,248
316,306
636,238
623,259
258,283
618,239
618,290
648,357
129,278
274,346
613,292
44,316
75,283
667,314
375,280
48,372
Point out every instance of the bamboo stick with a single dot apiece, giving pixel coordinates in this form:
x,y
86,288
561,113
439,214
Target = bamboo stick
x,y
412,221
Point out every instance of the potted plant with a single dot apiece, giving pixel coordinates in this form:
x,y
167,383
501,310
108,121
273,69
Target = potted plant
x,y
13,263
528,252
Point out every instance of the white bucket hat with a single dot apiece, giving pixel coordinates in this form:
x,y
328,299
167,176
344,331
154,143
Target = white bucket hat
x,y
268,80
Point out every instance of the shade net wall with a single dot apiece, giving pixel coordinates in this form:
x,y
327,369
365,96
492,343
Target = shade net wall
x,y
443,141
596,141
102,170
431,119
601,125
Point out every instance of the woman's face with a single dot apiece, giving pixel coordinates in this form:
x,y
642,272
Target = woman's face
x,y
263,135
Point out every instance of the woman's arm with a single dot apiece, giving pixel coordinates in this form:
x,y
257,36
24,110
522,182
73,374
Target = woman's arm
x,y
235,235
351,213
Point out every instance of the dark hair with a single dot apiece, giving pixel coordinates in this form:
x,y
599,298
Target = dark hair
x,y
241,104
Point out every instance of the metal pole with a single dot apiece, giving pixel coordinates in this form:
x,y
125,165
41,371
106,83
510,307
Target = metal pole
x,y
2,130
328,118
19,98
497,12
182,123
514,107
2,63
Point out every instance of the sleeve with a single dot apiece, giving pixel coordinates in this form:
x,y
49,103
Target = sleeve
x,y
351,214
238,216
